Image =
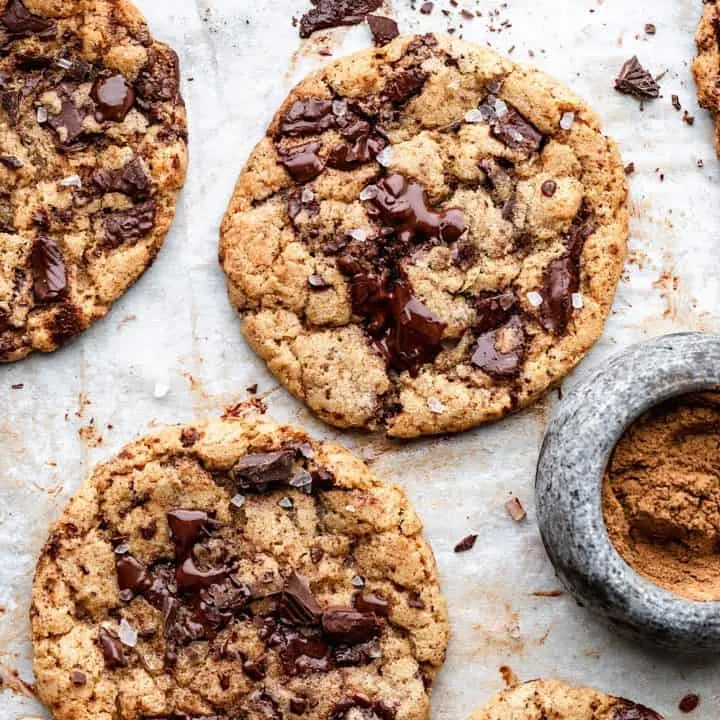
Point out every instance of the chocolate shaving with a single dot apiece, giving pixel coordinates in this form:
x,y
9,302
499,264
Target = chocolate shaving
x,y
634,79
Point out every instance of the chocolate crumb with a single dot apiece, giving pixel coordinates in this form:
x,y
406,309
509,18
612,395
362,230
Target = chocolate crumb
x,y
650,29
688,119
676,102
689,703
467,543
630,168
515,509
426,8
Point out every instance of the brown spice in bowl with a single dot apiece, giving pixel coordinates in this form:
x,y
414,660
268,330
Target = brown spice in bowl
x,y
661,496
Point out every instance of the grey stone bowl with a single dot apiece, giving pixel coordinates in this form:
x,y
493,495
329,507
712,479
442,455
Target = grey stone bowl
x,y
579,442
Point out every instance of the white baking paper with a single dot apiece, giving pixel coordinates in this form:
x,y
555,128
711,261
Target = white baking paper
x,y
176,329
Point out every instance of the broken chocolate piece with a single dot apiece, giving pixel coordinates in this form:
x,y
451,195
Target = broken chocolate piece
x,y
48,268
635,80
383,29
112,649
501,352
297,605
561,280
129,180
186,528
334,13
308,117
509,126
493,310
133,577
302,162
467,543
371,601
20,22
190,577
348,626
260,471
128,225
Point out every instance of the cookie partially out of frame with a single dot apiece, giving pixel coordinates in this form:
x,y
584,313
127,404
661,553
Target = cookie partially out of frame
x,y
92,155
706,67
545,699
237,569
428,237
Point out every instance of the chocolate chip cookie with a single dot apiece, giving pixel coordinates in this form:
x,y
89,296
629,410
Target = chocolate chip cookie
x,y
706,67
428,237
237,569
93,151
543,699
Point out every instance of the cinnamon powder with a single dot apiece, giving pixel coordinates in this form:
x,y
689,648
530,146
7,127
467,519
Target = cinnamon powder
x,y
661,496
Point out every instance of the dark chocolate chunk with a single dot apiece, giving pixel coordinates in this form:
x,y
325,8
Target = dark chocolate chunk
x,y
298,705
467,543
130,180
360,654
402,205
297,605
301,654
78,678
348,626
259,472
20,22
334,13
402,86
114,97
635,80
131,224
548,188
11,162
509,126
561,279
302,162
362,707
308,117
254,669
355,152
186,528
112,649
322,479
133,577
48,269
494,310
383,29
501,352
68,123
371,601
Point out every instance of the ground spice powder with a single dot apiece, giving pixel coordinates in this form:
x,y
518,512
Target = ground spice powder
x,y
661,496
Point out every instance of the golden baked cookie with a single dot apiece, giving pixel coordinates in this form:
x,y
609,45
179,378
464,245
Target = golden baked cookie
x,y
428,237
93,151
545,699
237,569
706,66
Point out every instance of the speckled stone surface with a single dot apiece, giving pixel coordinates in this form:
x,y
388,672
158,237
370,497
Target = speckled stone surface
x,y
577,447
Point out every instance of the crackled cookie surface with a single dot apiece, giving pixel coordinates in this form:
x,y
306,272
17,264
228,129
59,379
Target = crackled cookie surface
x,y
706,67
92,154
545,699
428,237
237,570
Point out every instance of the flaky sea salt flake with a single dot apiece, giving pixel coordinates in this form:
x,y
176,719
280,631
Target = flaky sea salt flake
x,y
474,116
435,406
360,235
160,390
567,120
238,500
535,298
127,633
368,193
71,181
577,301
385,157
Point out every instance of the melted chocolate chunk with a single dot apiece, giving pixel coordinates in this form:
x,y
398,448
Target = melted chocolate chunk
x,y
501,352
361,654
301,654
130,180
383,29
509,126
333,13
402,86
348,626
635,80
494,310
261,471
114,97
302,162
20,22
402,205
190,577
133,577
186,529
48,269
128,225
112,649
371,602
363,147
297,605
561,279
11,162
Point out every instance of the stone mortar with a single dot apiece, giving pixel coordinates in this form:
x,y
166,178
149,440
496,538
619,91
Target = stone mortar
x,y
579,442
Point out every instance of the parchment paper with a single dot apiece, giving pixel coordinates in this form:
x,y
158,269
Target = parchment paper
x,y
176,328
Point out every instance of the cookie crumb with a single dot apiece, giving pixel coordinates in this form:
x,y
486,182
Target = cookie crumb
x,y
515,509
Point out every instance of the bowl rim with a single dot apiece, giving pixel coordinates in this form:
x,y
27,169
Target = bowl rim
x,y
579,441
